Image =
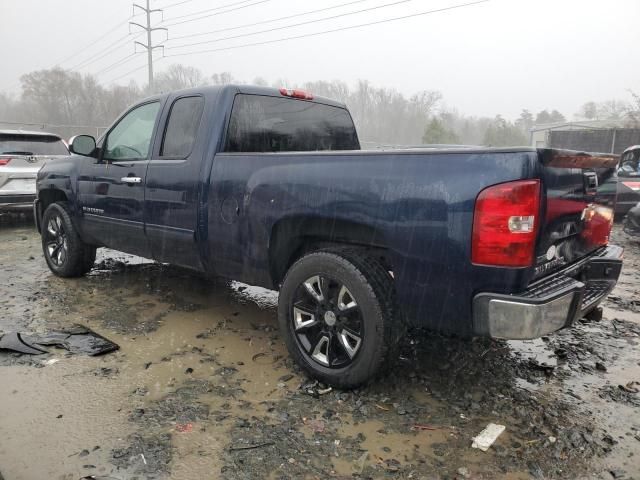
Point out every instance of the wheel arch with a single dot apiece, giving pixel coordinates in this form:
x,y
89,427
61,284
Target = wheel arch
x,y
294,236
46,197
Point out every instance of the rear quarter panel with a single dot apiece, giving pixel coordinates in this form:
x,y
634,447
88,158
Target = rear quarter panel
x,y
419,204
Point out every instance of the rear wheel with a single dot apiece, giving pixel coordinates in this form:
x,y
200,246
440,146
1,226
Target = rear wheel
x,y
66,254
337,314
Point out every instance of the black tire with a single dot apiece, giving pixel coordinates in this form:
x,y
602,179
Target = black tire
x,y
65,253
378,324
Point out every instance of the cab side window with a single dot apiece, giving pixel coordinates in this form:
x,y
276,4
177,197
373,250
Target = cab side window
x,y
182,127
130,139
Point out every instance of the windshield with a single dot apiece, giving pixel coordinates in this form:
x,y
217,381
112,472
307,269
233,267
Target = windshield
x,y
629,163
32,145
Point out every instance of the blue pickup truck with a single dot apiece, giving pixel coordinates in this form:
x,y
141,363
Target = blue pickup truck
x,y
270,187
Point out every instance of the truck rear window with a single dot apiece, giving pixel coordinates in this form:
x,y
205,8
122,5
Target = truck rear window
x,y
31,145
271,124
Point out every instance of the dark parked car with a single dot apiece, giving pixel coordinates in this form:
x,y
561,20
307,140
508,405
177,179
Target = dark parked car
x,y
632,221
270,187
628,180
22,153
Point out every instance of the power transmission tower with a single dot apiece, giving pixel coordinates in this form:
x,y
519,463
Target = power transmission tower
x,y
148,46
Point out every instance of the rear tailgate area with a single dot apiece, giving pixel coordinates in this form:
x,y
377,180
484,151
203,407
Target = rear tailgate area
x,y
574,267
578,213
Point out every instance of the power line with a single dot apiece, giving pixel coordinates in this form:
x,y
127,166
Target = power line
x,y
176,4
296,37
112,47
126,74
214,14
122,61
269,21
85,47
104,35
393,4
211,9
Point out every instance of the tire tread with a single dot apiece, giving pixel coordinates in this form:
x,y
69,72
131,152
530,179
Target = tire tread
x,y
80,255
379,282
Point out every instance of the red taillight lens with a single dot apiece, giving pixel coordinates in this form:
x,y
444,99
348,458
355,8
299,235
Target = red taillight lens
x,y
4,161
505,222
295,93
598,222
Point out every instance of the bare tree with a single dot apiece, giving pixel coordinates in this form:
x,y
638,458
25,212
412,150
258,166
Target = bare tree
x,y
177,77
224,78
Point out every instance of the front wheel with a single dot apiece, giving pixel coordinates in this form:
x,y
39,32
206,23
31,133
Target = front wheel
x,y
337,313
66,254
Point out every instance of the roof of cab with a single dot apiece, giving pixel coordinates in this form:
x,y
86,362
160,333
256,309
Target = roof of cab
x,y
246,89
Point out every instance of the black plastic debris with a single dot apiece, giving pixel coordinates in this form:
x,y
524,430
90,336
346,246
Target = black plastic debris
x,y
77,340
13,341
101,477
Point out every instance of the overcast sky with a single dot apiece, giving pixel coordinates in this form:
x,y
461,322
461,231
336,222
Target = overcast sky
x,y
489,58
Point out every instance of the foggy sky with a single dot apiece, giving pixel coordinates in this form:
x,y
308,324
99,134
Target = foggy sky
x,y
487,59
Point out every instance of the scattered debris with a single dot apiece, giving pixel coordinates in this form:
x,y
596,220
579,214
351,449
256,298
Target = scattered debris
x,y
184,427
317,426
13,341
601,366
487,436
250,447
463,472
77,340
631,387
419,427
94,477
359,465
263,358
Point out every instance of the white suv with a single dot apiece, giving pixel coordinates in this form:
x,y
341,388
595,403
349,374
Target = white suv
x,y
22,153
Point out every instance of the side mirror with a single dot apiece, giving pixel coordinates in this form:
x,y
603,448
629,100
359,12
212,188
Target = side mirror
x,y
82,145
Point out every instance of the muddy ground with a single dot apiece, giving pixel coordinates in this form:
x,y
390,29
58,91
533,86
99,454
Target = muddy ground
x,y
202,387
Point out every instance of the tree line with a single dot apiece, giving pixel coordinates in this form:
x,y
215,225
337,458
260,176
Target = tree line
x,y
78,103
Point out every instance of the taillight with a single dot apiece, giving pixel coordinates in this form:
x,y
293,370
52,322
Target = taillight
x,y
597,224
295,93
4,161
505,222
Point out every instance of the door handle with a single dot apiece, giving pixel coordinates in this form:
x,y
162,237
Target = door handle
x,y
131,180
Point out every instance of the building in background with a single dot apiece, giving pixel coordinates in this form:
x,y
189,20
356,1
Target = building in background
x,y
606,136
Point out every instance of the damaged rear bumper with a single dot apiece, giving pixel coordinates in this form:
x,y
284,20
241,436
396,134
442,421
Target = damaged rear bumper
x,y
551,303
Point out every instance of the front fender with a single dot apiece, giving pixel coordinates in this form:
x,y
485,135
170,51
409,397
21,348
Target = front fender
x,y
61,175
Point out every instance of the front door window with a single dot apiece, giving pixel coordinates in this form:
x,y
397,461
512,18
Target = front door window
x,y
130,139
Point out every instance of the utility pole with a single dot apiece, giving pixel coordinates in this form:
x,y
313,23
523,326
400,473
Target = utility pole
x,y
148,46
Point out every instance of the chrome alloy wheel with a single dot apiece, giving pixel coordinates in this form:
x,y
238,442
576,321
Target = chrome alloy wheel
x,y
56,241
327,322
